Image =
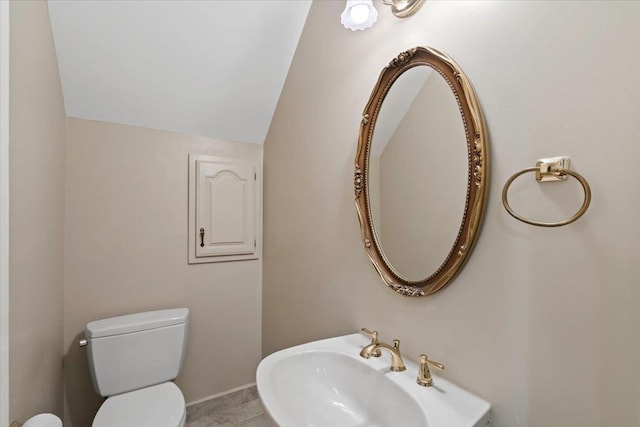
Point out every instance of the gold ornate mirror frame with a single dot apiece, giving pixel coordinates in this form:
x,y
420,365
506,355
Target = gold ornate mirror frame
x,y
477,179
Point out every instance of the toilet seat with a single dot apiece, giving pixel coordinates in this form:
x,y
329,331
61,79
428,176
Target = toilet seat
x,y
160,405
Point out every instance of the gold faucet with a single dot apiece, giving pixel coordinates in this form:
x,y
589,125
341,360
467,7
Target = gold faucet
x,y
397,364
424,374
374,340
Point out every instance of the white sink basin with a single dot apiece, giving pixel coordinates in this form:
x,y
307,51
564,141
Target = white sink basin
x,y
327,384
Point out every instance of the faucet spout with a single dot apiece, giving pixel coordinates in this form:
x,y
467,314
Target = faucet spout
x,y
397,364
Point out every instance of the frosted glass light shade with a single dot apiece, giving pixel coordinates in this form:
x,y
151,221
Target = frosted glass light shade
x,y
359,15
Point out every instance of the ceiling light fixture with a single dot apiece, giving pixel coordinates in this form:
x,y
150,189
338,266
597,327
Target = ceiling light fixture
x,y
360,14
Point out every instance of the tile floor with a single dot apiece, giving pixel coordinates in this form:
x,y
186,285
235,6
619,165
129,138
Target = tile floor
x,y
241,408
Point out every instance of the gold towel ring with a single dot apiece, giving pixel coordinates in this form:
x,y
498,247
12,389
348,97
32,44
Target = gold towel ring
x,y
576,175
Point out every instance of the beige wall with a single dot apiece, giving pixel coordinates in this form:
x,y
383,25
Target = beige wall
x,y
126,251
37,149
543,323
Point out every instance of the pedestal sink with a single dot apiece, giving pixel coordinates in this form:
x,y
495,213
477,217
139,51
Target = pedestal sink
x,y
327,384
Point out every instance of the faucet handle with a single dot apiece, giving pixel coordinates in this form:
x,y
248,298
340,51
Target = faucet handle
x,y
424,374
372,334
374,340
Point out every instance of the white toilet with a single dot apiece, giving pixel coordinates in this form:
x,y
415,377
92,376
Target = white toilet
x,y
133,359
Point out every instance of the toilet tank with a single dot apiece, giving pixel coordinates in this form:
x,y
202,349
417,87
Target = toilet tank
x,y
137,350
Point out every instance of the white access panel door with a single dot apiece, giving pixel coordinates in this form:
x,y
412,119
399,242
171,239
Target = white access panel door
x,y
225,218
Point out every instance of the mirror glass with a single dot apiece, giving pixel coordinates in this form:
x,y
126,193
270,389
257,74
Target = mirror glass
x,y
417,175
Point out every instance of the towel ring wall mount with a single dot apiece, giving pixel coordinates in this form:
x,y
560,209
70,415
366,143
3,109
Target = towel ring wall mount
x,y
550,169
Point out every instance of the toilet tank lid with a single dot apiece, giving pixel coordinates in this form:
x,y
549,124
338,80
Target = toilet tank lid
x,y
136,322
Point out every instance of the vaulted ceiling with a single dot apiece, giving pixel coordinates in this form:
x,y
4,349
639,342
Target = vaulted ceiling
x,y
213,68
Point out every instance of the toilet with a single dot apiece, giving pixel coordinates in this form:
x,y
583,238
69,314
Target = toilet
x,y
133,360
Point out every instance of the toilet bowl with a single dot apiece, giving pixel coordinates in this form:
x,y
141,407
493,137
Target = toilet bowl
x,y
133,360
158,405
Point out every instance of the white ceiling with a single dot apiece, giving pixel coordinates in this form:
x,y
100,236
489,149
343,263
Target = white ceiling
x,y
213,68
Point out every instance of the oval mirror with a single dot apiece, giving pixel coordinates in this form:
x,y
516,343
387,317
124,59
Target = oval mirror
x,y
421,172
